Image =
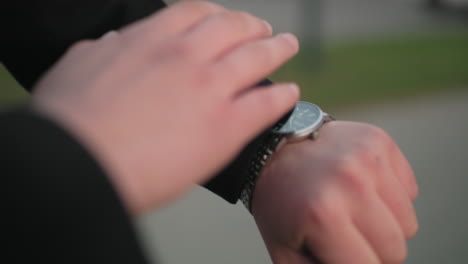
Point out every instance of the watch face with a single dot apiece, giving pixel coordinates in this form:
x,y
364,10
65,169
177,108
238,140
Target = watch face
x,y
305,117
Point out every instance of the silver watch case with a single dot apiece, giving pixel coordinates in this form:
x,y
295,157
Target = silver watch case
x,y
311,131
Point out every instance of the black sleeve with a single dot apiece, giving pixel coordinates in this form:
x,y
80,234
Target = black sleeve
x,y
60,207
36,33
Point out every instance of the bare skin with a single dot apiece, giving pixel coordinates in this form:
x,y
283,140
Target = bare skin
x,y
164,111
345,197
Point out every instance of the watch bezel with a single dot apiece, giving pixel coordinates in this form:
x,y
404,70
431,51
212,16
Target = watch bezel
x,y
305,132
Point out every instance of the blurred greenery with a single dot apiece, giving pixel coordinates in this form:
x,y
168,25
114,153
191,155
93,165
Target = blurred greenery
x,y
373,70
356,72
10,91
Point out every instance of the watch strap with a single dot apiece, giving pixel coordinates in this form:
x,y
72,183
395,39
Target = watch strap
x,y
263,154
256,165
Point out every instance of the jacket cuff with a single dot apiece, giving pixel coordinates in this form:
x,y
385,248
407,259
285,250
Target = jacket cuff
x,y
62,205
231,180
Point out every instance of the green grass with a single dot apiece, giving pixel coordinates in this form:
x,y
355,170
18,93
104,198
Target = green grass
x,y
369,71
364,71
10,91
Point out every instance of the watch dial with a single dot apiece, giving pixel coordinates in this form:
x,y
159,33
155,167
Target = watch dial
x,y
304,116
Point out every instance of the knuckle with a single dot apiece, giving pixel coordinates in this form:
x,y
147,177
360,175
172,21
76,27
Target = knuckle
x,y
373,141
245,23
80,48
180,48
322,213
205,78
114,40
366,155
356,182
81,45
200,6
415,189
396,251
400,255
350,177
378,135
242,16
237,20
413,230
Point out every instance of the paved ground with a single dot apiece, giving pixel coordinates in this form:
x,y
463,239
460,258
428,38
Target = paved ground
x,y
431,130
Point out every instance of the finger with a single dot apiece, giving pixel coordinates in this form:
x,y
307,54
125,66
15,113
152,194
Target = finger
x,y
224,31
248,64
404,172
380,228
288,256
395,197
171,21
109,35
260,107
310,256
340,243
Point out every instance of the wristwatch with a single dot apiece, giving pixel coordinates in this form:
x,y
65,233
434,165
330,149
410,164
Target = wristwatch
x,y
303,122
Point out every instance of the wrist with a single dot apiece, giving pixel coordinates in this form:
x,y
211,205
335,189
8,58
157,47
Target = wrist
x,y
302,123
276,173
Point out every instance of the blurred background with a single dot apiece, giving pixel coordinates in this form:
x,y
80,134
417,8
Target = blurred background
x,y
399,64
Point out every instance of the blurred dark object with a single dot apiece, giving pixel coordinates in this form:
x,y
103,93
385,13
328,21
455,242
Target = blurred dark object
x,y
450,7
435,3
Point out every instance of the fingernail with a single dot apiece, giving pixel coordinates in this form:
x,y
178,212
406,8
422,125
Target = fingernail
x,y
291,39
295,89
268,25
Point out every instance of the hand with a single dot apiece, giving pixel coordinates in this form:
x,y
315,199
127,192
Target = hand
x,y
166,103
345,197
